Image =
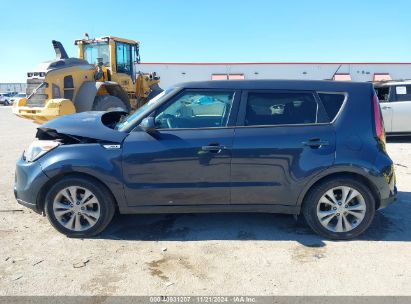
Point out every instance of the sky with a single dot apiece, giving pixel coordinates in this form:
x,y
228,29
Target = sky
x,y
210,30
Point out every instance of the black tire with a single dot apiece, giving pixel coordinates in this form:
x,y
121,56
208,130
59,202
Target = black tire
x,y
312,199
109,103
104,197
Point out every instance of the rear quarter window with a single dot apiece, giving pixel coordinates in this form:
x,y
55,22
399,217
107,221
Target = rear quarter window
x,y
332,103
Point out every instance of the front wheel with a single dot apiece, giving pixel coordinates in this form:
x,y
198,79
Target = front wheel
x,y
79,206
339,209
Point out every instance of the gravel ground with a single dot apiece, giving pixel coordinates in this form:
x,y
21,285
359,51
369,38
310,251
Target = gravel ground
x,y
198,254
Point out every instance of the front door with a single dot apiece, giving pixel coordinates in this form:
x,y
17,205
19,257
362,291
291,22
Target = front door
x,y
283,140
188,161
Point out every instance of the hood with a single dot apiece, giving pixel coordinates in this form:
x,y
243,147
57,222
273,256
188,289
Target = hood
x,y
51,65
84,127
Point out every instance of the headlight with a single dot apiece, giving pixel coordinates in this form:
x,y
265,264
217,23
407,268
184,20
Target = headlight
x,y
38,148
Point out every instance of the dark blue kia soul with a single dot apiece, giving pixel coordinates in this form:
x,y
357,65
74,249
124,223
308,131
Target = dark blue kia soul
x,y
315,148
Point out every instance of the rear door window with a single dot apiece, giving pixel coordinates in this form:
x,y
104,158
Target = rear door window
x,y
402,93
332,103
289,108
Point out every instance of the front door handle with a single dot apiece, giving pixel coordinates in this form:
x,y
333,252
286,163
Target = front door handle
x,y
386,107
216,148
316,143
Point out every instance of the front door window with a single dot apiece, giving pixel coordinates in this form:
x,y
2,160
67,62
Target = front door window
x,y
195,109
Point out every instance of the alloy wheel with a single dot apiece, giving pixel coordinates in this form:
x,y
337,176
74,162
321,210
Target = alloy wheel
x,y
341,209
76,208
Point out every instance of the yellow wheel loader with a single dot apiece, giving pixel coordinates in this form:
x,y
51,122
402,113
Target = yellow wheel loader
x,y
103,78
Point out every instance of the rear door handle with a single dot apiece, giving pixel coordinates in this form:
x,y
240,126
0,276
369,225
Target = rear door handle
x,y
386,108
316,143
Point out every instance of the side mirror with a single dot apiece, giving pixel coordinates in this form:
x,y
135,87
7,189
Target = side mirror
x,y
148,126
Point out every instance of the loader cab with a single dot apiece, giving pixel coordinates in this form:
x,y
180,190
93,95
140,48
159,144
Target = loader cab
x,y
118,56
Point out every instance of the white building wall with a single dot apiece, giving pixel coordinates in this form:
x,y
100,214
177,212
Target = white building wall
x,y
13,87
172,73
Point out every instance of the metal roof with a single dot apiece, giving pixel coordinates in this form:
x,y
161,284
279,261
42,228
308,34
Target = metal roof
x,y
274,85
266,63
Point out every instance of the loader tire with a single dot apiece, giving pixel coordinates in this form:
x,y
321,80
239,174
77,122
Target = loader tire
x,y
109,103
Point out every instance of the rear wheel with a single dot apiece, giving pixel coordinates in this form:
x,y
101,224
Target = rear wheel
x,y
339,209
79,207
109,103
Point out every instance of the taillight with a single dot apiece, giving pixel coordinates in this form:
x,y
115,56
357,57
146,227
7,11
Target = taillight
x,y
378,122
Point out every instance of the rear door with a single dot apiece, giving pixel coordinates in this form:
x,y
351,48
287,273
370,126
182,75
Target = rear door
x,y
282,139
401,109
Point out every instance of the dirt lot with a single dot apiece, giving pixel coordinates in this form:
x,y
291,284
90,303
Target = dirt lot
x,y
205,254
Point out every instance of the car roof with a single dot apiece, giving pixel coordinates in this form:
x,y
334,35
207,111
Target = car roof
x,y
317,85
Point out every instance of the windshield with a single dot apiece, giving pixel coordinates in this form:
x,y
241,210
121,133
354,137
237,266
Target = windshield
x,y
131,119
97,50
